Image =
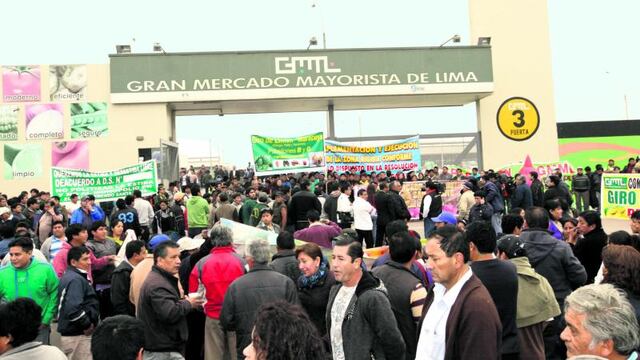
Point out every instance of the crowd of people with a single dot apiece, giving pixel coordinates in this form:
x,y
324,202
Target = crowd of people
x,y
522,269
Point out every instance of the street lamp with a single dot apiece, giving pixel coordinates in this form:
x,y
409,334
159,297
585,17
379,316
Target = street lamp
x,y
455,38
312,42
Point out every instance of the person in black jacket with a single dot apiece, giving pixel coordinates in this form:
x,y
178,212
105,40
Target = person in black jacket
x,y
554,260
284,261
523,197
404,288
537,190
121,278
301,202
79,309
314,284
162,307
397,207
382,207
588,248
481,211
501,280
555,191
259,286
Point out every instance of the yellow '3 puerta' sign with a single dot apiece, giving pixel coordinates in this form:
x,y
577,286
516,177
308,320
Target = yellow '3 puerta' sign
x,y
518,119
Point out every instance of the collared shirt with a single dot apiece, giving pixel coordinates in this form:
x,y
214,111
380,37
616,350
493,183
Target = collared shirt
x,y
433,333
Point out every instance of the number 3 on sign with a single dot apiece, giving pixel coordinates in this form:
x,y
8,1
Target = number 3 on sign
x,y
518,119
519,114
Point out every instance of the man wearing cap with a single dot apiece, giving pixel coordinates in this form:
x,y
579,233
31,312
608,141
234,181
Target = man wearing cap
x,y
266,221
86,214
536,300
431,207
466,201
444,219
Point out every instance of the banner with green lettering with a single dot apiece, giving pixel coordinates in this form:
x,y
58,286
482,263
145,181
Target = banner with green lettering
x,y
620,194
288,155
106,185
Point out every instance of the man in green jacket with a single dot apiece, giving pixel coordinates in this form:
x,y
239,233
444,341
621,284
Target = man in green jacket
x,y
536,300
247,207
197,212
31,278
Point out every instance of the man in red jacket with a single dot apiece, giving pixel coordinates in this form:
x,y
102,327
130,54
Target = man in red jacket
x,y
211,277
459,318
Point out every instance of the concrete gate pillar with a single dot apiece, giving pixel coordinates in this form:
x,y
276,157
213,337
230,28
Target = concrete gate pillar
x,y
526,124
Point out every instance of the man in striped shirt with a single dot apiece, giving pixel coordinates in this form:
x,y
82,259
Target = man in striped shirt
x,y
53,244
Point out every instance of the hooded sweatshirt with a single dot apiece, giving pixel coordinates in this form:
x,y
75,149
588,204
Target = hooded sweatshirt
x,y
536,300
37,281
555,261
197,212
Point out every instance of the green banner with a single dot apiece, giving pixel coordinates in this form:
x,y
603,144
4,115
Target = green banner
x,y
284,74
107,185
288,155
620,195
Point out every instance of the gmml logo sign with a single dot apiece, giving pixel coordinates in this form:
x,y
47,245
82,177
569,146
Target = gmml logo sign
x,y
292,64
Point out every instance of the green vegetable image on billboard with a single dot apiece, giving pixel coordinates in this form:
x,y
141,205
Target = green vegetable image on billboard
x,y
89,120
8,122
277,155
22,161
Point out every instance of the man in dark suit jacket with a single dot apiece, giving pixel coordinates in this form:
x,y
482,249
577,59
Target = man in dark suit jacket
x,y
459,318
382,206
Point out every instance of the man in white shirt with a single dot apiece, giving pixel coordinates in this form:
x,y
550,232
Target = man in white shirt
x,y
362,212
344,207
459,318
145,214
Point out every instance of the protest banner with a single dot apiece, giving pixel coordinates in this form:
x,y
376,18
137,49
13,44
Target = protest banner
x,y
619,194
413,191
288,155
106,185
398,156
543,169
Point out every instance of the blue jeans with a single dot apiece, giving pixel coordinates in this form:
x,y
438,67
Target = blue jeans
x,y
429,226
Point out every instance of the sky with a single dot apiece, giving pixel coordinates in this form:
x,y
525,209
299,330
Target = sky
x,y
593,47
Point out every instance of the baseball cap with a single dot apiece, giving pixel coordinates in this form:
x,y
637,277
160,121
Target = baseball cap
x,y
265,210
85,198
4,210
156,240
445,217
178,196
511,245
187,243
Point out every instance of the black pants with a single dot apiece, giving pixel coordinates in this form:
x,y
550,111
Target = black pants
x,y
367,236
104,299
195,340
380,235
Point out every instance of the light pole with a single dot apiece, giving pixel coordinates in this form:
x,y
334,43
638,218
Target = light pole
x,y
324,36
